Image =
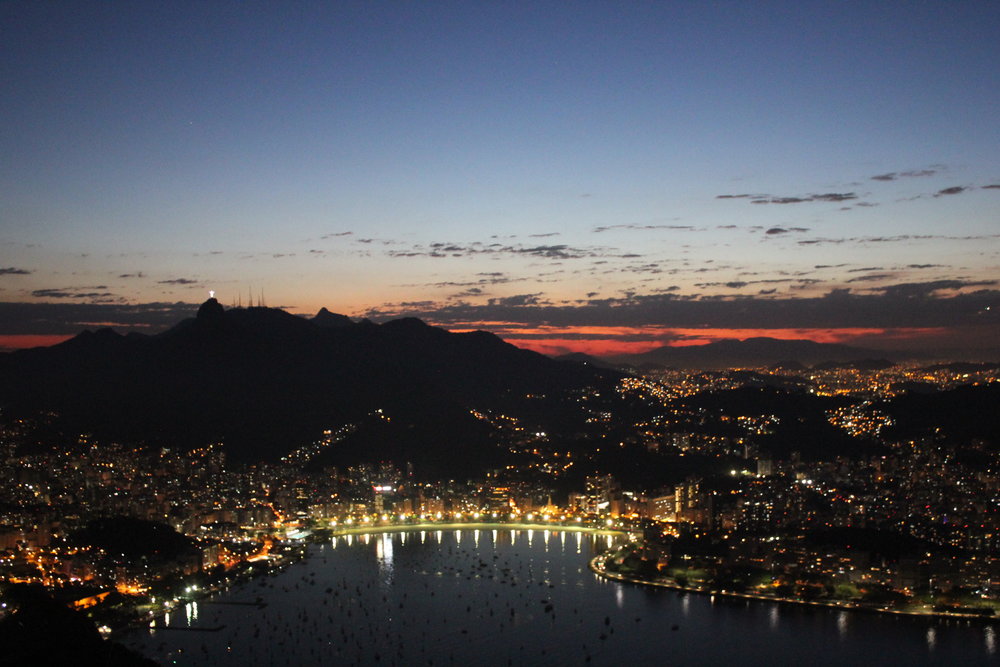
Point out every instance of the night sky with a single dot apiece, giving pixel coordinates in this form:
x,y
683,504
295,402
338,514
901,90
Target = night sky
x,y
601,177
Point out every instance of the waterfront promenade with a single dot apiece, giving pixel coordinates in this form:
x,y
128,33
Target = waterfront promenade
x,y
598,566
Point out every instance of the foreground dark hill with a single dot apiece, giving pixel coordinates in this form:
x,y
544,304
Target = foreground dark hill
x,y
264,382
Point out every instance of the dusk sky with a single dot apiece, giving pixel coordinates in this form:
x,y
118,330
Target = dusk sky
x,y
600,177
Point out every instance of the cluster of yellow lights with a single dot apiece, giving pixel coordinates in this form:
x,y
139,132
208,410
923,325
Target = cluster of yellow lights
x,y
476,516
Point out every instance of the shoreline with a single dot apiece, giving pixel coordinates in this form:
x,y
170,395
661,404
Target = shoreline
x,y
144,621
434,527
141,621
596,566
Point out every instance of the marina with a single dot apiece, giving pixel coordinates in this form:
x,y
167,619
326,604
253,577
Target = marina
x,y
489,597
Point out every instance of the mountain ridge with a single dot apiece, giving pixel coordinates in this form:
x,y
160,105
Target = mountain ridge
x,y
756,351
265,381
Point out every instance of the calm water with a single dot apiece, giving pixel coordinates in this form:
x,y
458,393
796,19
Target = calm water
x,y
521,598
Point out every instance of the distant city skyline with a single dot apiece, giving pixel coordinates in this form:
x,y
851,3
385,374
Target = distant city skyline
x,y
592,177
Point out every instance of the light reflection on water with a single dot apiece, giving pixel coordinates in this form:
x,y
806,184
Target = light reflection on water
x,y
526,597
190,613
383,552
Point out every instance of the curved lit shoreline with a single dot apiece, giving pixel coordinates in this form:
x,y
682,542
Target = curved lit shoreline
x,y
434,527
366,529
597,567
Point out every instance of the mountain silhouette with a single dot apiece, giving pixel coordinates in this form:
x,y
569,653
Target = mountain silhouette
x,y
264,381
756,352
325,318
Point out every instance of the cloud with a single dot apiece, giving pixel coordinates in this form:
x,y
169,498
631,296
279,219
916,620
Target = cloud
x,y
517,300
931,288
471,292
178,281
648,268
384,242
139,274
771,199
608,228
870,278
897,239
834,196
781,200
935,304
487,278
894,175
12,271
738,284
555,251
782,230
334,235
94,293
994,186
71,318
954,190
52,293
542,236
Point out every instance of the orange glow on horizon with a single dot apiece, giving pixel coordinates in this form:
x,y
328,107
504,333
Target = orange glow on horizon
x,y
611,341
621,340
556,346
22,341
